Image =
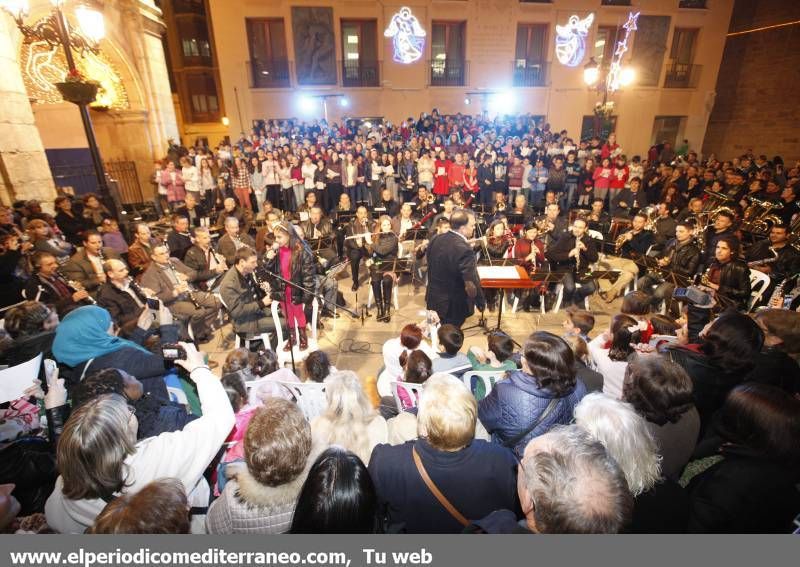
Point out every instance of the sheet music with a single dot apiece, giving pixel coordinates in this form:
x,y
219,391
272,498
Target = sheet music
x,y
498,273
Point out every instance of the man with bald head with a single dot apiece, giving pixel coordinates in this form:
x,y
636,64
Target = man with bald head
x,y
121,297
567,484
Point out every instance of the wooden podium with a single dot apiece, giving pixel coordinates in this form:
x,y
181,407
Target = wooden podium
x,y
503,278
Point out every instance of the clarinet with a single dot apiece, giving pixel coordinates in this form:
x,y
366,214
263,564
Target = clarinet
x,y
77,286
190,291
137,289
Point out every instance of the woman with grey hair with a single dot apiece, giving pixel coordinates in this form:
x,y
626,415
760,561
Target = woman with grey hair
x,y
349,420
475,477
100,459
660,505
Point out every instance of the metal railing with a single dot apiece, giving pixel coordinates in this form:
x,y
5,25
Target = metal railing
x,y
83,180
357,73
682,76
444,73
530,74
269,73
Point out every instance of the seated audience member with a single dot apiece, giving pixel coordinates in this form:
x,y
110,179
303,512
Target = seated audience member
x,y
349,420
592,379
476,476
578,322
155,416
160,507
112,236
236,389
263,368
317,366
32,325
338,497
260,494
637,305
664,325
661,392
719,361
659,505
753,488
533,400
99,458
777,361
410,339
41,235
497,356
451,339
569,484
417,368
84,343
611,351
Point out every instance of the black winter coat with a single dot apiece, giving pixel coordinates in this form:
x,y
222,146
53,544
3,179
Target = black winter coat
x,y
303,273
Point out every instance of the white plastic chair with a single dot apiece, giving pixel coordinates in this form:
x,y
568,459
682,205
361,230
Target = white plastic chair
x,y
395,297
560,298
310,397
487,377
759,282
285,358
243,339
413,391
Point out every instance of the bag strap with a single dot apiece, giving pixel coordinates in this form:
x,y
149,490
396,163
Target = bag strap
x,y
511,443
85,368
435,490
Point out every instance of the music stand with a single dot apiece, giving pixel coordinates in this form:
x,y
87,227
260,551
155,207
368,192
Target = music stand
x,y
506,277
344,217
398,266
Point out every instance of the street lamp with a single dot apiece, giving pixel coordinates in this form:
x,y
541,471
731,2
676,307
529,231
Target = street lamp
x,y
56,32
615,77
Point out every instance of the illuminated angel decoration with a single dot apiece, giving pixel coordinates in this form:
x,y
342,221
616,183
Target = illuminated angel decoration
x,y
571,40
408,37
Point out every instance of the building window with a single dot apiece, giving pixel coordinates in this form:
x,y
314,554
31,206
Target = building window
x,y
681,72
698,4
203,101
360,53
195,45
448,66
592,125
269,62
668,129
530,67
604,41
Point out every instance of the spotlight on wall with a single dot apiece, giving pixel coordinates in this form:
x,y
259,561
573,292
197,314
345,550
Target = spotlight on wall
x,y
226,121
467,100
306,103
501,102
344,102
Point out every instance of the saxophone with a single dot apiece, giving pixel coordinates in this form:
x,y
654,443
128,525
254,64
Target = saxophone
x,y
705,279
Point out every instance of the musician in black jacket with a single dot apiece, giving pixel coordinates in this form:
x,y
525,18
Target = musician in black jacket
x,y
390,206
248,306
122,297
47,286
356,246
454,288
384,249
631,246
728,276
202,258
192,210
179,239
774,257
680,258
573,254
486,180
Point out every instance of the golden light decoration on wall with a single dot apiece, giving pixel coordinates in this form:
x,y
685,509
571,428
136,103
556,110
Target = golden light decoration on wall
x,y
43,66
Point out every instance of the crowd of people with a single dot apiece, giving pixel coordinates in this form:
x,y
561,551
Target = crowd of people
x,y
681,416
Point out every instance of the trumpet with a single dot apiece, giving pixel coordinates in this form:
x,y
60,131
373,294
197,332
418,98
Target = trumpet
x,y
620,242
430,199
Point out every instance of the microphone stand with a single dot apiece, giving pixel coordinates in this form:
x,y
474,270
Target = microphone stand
x,y
311,292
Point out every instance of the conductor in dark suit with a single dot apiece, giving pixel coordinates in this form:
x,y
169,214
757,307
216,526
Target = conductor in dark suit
x,y
454,289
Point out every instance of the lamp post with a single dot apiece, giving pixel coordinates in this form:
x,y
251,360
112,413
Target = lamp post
x,y
605,83
56,32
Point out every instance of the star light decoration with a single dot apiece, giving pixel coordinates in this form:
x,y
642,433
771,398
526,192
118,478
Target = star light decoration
x,y
616,76
408,37
571,40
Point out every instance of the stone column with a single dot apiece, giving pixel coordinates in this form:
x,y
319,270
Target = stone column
x,y
24,170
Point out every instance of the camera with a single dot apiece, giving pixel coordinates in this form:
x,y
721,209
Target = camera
x,y
173,351
153,303
693,295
